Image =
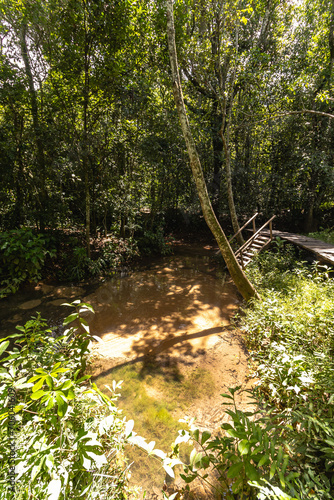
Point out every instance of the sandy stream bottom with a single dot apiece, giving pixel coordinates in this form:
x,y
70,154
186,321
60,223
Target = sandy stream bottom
x,y
184,318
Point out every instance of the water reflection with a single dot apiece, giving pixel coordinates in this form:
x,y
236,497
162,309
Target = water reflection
x,y
177,304
184,295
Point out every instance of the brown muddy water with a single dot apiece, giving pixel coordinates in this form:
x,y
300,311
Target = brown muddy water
x,y
158,296
177,304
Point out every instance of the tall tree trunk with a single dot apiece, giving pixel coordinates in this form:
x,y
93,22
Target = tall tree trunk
x,y
226,98
230,198
243,284
42,199
85,163
18,171
217,147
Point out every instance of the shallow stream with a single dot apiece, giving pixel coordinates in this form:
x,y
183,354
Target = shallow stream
x,y
161,295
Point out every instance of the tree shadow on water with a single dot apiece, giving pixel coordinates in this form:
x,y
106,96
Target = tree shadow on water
x,y
159,359
162,364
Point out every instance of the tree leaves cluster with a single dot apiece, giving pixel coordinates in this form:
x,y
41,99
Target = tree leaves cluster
x,y
88,130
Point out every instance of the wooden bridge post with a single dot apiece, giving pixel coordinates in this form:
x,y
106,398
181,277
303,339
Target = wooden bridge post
x,y
254,227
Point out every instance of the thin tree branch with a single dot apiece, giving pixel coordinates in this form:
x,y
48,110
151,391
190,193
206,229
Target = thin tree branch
x,y
301,112
196,84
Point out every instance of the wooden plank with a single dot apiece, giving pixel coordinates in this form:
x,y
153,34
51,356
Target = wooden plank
x,y
324,251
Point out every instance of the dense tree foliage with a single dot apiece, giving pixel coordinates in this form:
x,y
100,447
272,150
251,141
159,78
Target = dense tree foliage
x,y
88,130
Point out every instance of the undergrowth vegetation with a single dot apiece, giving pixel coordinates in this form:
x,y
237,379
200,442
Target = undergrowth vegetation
x,y
22,256
290,334
64,436
108,255
286,449
326,235
26,256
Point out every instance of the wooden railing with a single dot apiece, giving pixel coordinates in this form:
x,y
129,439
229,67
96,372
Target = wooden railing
x,y
252,238
252,219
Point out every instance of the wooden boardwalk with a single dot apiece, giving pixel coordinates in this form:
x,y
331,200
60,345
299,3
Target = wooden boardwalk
x,y
262,237
323,251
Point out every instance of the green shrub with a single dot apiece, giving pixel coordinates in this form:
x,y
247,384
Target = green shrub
x,y
326,235
69,437
109,256
117,252
22,255
290,333
155,242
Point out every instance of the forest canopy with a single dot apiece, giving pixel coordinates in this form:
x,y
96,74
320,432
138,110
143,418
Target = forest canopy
x,y
89,133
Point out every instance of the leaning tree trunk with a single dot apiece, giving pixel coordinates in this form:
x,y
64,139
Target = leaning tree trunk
x,y
243,284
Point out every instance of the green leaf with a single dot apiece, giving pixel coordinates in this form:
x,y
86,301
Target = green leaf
x,y
195,435
281,478
188,479
244,447
236,434
280,455
38,384
234,470
14,335
37,395
70,318
285,464
50,403
62,405
224,395
272,470
41,370
205,462
3,346
195,457
59,370
84,326
251,472
70,394
264,460
49,381
205,436
66,385
226,426
85,305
